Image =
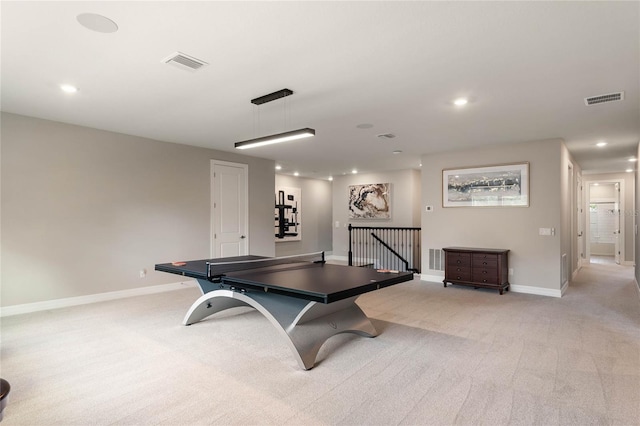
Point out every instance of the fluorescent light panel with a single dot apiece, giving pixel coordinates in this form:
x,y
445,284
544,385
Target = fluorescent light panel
x,y
278,138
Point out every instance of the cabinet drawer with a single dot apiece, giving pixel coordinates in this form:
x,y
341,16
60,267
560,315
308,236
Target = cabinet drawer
x,y
458,269
452,274
458,259
485,276
485,263
479,257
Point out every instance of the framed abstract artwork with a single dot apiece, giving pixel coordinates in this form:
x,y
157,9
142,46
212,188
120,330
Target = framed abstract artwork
x,y
369,201
288,217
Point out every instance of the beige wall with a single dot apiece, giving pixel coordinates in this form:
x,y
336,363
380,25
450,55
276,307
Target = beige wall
x,y
405,203
84,210
316,210
535,259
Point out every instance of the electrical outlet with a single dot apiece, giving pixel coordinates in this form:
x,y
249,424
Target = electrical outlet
x,y
143,273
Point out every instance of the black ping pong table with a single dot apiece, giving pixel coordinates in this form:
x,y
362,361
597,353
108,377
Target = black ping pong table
x,y
305,298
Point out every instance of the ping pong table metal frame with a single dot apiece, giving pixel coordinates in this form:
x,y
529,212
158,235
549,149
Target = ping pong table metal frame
x,y
305,324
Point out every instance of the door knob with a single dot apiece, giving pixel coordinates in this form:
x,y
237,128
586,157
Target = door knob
x,y
242,237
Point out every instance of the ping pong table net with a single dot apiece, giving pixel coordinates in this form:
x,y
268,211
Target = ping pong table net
x,y
217,269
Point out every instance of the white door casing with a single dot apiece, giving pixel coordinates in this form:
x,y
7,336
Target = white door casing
x,y
619,207
580,213
616,221
229,209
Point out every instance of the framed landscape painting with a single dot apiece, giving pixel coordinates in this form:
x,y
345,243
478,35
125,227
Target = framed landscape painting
x,y
505,185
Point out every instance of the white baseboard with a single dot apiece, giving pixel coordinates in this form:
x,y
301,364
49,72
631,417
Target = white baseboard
x,y
536,290
92,298
515,288
432,278
336,257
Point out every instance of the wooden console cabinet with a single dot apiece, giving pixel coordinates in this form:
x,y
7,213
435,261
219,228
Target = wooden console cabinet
x,y
477,267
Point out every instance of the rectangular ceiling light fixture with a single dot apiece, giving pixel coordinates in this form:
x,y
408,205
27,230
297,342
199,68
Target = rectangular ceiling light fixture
x,y
280,137
272,97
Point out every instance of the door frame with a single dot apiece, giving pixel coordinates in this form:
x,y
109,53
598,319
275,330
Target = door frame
x,y
580,236
212,202
622,220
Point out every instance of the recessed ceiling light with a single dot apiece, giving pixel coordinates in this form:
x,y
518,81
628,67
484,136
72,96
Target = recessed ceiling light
x,y
386,136
629,170
397,151
95,22
601,144
354,171
596,184
364,126
633,160
330,178
461,101
67,88
278,167
296,173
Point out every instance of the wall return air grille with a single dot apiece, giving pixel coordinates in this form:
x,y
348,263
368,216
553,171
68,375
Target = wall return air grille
x,y
436,259
611,97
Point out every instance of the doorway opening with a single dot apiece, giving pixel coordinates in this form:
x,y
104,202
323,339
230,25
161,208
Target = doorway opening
x,y
604,237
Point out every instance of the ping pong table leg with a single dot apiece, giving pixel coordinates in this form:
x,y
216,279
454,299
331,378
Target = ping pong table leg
x,y
306,325
321,321
209,304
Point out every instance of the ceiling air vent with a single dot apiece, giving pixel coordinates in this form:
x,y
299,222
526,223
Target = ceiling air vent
x,y
611,97
184,62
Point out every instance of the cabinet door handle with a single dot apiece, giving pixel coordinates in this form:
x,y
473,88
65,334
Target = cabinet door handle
x,y
484,272
484,263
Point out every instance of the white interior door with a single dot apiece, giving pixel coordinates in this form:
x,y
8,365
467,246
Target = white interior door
x,y
229,209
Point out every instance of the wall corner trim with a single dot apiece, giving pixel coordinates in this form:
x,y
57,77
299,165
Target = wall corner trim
x,y
46,305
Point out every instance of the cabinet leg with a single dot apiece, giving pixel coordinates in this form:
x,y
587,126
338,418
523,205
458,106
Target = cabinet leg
x,y
501,292
445,284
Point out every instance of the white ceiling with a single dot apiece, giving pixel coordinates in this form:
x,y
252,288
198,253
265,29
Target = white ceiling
x,y
525,66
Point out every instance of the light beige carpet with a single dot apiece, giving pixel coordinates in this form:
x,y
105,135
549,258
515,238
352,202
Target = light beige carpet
x,y
443,356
